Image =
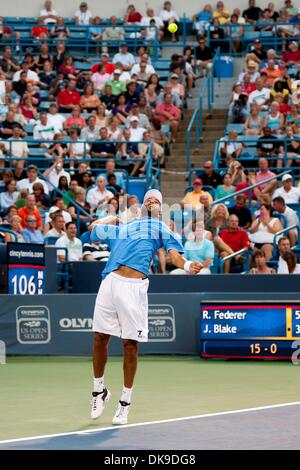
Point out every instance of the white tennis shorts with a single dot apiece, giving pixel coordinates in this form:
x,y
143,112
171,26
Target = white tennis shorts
x,y
121,308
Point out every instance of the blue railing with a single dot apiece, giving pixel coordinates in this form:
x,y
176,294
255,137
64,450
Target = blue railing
x,y
196,121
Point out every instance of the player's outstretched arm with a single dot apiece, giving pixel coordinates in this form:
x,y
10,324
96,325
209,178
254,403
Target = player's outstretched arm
x,y
109,220
180,262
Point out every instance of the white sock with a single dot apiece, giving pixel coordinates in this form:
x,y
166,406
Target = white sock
x,y
126,395
99,384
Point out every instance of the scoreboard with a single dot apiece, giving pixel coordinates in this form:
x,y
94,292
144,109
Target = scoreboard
x,y
249,330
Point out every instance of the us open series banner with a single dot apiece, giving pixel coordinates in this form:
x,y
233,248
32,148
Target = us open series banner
x,y
26,265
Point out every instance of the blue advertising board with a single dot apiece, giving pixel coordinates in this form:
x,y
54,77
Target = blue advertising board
x,y
26,268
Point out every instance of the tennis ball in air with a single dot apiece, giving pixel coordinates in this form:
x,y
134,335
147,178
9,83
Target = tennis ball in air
x,y
172,27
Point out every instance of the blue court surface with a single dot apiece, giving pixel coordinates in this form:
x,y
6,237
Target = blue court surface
x,y
269,427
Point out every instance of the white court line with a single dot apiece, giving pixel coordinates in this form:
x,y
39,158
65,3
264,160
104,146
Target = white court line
x,y
149,423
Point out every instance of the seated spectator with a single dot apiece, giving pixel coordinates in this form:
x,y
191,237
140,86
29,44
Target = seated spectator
x,y
83,16
71,242
117,86
218,220
252,13
48,13
268,144
289,264
265,20
143,120
68,98
169,16
16,227
290,216
228,146
128,150
89,100
102,148
274,119
60,30
145,21
67,68
238,112
9,196
78,150
289,154
241,211
217,35
203,57
75,120
100,77
202,20
209,176
272,71
121,110
198,249
132,211
7,33
273,13
236,239
235,32
58,207
104,61
292,58
55,172
113,186
261,96
114,131
28,110
263,174
32,178
247,85
99,195
43,131
286,29
31,234
57,225
221,13
90,132
74,211
102,119
95,252
263,230
253,123
226,188
9,64
39,32
206,207
167,113
293,116
15,146
290,193
110,169
112,34
42,199
261,267
30,209
132,16
96,32
193,198
124,57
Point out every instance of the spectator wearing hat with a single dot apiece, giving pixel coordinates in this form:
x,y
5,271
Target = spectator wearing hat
x,y
104,61
136,131
177,87
142,118
117,86
124,57
58,207
251,71
290,193
112,34
193,197
83,16
257,53
292,57
252,13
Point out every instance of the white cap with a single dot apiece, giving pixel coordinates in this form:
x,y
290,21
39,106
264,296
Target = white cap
x,y
133,118
117,71
286,177
153,193
53,209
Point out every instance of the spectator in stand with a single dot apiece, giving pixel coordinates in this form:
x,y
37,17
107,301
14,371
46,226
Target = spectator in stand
x,y
55,172
292,58
167,113
32,178
68,98
261,267
235,32
124,57
237,239
198,249
42,199
99,195
89,101
7,33
30,209
203,56
43,130
100,77
55,119
290,193
169,16
193,197
9,196
132,16
31,234
209,176
102,148
110,169
263,174
274,119
261,96
80,201
60,30
57,229
96,32
225,189
272,71
221,13
39,32
265,20
202,20
290,216
253,123
109,68
206,206
16,227
145,21
217,35
48,14
252,14
228,146
112,34
289,264
75,121
263,230
241,211
268,144
292,150
69,241
83,16
251,71
90,132
15,146
113,186
117,86
273,13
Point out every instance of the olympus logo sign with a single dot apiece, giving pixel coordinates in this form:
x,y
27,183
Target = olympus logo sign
x,y
76,324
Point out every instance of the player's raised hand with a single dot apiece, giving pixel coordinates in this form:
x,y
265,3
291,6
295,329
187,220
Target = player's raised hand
x,y
195,267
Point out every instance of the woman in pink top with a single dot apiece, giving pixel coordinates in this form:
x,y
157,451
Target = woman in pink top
x,y
75,121
100,77
28,110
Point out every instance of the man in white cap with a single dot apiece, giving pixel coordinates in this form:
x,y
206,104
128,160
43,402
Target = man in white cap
x,y
121,307
136,132
290,193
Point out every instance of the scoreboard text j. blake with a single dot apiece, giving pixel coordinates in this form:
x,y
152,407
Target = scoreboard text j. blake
x,y
248,330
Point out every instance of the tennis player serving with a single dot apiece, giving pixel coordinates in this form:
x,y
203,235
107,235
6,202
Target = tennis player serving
x,y
121,307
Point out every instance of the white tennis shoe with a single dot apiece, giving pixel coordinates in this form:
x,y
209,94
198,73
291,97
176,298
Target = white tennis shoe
x,y
98,402
121,415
